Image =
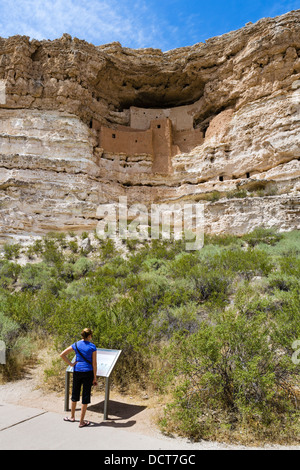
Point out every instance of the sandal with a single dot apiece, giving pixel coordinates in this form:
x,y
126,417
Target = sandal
x,y
85,423
71,420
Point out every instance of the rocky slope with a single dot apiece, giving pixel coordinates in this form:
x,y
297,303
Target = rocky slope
x,y
54,172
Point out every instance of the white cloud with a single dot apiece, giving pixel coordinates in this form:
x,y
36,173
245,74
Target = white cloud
x,y
134,23
100,21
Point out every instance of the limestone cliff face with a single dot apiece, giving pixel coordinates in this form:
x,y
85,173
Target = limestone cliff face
x,y
81,125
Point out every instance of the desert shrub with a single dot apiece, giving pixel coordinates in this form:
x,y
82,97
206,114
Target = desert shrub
x,y
73,245
17,307
286,326
51,253
37,247
172,319
41,276
30,252
262,235
210,283
9,273
213,196
9,329
19,349
164,249
19,354
11,250
246,263
131,243
76,289
65,271
237,193
283,281
35,276
290,265
182,264
289,243
232,374
81,267
108,249
153,264
84,235
168,310
221,240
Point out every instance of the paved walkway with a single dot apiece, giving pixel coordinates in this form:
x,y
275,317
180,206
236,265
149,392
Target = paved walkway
x,y
23,428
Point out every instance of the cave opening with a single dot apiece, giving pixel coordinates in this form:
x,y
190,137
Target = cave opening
x,y
178,92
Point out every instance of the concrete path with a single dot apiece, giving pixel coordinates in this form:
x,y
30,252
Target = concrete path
x,y
33,429
23,428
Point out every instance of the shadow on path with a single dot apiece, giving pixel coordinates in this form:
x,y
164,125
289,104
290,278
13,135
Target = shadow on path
x,y
117,411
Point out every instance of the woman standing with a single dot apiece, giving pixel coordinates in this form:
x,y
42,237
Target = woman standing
x,y
84,375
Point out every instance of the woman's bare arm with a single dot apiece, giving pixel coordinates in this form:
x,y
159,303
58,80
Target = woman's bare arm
x,y
64,357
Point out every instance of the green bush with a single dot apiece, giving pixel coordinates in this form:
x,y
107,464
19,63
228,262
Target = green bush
x,y
9,329
262,235
237,193
214,196
51,253
9,273
73,245
81,267
11,250
108,249
222,240
247,263
290,265
220,321
37,247
210,283
283,281
35,276
231,373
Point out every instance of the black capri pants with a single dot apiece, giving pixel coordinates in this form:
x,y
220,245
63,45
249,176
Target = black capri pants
x,y
84,379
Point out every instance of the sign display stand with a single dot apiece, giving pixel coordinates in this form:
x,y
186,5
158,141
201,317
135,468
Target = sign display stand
x,y
106,361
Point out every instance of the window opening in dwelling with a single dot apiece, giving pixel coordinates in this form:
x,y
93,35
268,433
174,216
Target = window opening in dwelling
x,y
221,178
248,175
113,136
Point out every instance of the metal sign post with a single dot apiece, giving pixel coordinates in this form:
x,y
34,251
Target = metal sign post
x,y
106,361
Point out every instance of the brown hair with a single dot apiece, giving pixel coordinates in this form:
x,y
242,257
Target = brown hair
x,y
86,332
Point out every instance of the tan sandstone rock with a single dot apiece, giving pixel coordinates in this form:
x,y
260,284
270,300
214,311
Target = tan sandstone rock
x,y
218,123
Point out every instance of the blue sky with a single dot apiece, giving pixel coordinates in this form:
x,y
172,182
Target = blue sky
x,y
163,24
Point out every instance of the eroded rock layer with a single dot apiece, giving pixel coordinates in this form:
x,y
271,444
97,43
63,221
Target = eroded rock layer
x,y
218,123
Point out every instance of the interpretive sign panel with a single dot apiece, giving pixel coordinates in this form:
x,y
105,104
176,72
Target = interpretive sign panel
x,y
106,361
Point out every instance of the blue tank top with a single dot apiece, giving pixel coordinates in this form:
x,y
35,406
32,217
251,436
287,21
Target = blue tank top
x,y
86,348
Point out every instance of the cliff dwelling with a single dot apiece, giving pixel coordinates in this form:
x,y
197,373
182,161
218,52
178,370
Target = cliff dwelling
x,y
160,133
217,122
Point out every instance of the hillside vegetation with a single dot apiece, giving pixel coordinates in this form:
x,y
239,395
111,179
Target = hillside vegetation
x,y
213,331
